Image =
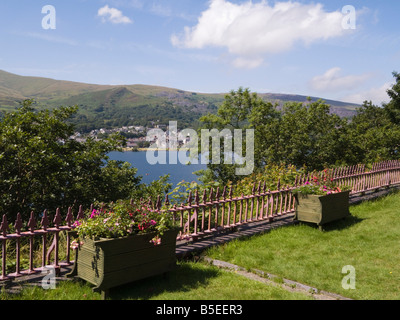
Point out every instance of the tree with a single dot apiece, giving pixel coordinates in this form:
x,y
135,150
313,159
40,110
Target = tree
x,y
42,168
374,132
301,134
308,135
243,110
393,107
373,135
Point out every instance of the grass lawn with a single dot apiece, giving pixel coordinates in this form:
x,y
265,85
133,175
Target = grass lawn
x,y
190,281
369,241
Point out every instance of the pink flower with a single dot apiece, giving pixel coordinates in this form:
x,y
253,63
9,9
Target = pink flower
x,y
94,213
75,244
156,241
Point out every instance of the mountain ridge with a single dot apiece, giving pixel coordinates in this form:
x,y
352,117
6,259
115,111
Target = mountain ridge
x,y
135,103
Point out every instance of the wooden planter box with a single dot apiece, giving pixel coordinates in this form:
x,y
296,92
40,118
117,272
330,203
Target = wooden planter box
x,y
108,263
322,209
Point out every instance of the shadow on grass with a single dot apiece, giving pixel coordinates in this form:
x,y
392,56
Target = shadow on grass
x,y
375,196
183,279
341,224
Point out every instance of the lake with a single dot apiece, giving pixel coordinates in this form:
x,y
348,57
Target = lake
x,y
178,172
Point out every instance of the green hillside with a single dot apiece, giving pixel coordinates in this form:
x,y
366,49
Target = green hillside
x,y
111,105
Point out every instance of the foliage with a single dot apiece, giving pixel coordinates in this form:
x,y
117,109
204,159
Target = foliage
x,y
240,110
307,134
393,107
375,137
153,190
373,134
300,134
320,184
143,115
42,168
272,175
181,193
121,219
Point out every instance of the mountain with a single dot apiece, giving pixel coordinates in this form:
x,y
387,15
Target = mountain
x,y
343,109
116,105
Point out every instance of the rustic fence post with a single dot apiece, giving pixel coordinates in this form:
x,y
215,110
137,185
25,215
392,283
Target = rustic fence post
x,y
241,209
261,214
217,195
223,207
45,224
196,211
158,204
258,201
57,221
210,208
81,214
230,207
69,219
271,206
17,226
203,208
32,227
3,230
253,193
267,204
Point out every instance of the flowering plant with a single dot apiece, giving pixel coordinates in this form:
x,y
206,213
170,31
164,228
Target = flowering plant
x,y
122,219
320,184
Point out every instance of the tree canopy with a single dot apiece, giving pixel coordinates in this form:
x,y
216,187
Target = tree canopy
x,y
42,168
308,134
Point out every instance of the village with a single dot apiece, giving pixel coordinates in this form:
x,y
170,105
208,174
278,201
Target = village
x,y
138,138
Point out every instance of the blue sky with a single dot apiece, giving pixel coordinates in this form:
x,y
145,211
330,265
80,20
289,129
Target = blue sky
x,y
301,47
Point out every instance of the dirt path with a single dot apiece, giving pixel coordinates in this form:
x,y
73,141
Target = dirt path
x,y
270,279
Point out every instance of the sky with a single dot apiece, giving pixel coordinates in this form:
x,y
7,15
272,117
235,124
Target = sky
x,y
341,50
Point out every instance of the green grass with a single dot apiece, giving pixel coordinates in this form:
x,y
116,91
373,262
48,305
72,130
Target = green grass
x,y
368,241
190,281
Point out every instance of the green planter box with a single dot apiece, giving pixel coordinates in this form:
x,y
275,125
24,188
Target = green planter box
x,y
108,263
322,209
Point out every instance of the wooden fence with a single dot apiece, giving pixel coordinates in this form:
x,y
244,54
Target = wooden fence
x,y
218,211
202,215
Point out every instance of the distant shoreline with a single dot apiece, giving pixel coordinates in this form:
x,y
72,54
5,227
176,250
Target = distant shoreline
x,y
152,149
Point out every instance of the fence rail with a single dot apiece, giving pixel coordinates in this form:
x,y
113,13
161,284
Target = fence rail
x,y
202,215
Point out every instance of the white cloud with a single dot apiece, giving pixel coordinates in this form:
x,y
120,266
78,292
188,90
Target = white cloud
x,y
113,15
247,63
161,10
252,30
50,38
377,95
333,81
137,4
